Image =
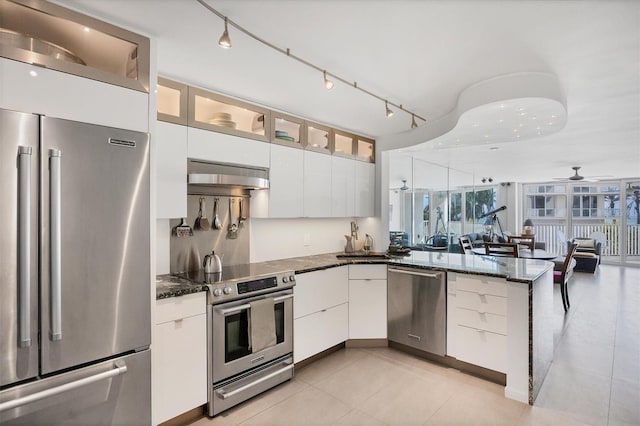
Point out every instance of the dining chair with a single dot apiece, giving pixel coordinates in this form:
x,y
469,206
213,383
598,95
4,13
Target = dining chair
x,y
501,249
465,244
562,276
523,240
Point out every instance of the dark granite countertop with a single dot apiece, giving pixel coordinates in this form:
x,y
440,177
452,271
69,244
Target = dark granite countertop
x,y
172,286
517,270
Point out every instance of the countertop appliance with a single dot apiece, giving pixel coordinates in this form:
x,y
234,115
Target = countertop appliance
x,y
237,372
74,273
416,309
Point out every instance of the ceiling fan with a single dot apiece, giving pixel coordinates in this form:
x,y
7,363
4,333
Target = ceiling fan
x,y
404,186
577,177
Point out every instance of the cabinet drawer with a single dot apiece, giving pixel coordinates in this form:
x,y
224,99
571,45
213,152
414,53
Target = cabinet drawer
x,y
483,348
481,285
318,290
175,308
365,272
482,321
314,333
180,366
482,303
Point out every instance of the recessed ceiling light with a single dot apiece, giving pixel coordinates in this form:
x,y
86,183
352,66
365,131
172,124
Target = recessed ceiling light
x,y
32,73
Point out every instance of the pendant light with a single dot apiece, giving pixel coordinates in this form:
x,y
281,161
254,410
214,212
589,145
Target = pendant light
x,y
327,83
388,110
225,41
413,121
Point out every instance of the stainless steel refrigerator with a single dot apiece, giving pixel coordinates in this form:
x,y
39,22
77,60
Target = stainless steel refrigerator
x,y
74,273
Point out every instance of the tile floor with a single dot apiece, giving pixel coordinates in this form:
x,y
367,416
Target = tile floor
x,y
594,379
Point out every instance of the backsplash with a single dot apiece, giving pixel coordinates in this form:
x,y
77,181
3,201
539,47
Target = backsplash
x,y
187,253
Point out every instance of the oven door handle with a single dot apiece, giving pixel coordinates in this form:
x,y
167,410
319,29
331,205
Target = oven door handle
x,y
239,308
224,395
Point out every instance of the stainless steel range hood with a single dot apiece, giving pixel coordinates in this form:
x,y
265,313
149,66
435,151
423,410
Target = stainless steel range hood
x,y
204,173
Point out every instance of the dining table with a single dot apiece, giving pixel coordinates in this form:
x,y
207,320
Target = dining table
x,y
523,253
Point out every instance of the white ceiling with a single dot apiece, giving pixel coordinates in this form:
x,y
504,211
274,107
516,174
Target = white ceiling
x,y
422,54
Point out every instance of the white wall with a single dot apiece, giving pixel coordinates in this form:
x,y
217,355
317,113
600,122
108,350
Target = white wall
x,y
273,239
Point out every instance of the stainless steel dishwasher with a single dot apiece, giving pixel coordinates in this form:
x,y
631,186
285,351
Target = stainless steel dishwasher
x,y
417,309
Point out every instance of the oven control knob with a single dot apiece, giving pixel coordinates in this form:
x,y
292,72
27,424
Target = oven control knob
x,y
217,292
227,290
285,279
292,278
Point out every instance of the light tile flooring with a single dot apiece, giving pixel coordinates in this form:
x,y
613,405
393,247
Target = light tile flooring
x,y
594,379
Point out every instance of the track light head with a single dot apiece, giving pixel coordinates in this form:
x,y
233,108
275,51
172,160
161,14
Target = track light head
x,y
328,84
413,121
388,110
225,40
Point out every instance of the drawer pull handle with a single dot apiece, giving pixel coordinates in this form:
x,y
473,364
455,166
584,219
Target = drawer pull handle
x,y
413,336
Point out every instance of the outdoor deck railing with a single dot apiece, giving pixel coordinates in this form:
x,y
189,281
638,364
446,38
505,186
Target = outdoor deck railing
x,y
556,237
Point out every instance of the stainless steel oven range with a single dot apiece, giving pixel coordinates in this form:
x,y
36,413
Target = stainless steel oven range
x,y
236,371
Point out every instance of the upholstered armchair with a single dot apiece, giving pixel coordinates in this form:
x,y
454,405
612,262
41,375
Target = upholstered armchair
x,y
587,254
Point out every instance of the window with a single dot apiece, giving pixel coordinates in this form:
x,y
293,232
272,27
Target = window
x,y
585,205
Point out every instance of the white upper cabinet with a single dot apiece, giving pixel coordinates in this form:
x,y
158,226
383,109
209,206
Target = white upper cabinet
x,y
38,90
224,148
317,185
171,170
284,197
343,187
365,189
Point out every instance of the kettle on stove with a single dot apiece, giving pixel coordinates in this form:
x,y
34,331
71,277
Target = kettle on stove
x,y
212,263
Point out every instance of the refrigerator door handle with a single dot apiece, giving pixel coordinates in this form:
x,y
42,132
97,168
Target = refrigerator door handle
x,y
55,332
119,369
24,245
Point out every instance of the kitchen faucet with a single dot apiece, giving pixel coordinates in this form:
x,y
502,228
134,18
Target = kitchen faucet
x,y
354,230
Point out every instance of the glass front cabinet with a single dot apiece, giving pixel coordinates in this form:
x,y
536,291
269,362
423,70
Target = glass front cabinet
x,y
287,130
211,111
172,101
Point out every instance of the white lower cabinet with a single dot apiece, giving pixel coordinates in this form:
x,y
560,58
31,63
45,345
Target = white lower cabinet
x,y
477,320
179,354
367,301
320,311
314,333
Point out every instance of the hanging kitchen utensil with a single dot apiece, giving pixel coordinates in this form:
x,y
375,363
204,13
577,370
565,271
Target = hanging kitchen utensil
x,y
202,222
232,230
183,230
216,219
241,218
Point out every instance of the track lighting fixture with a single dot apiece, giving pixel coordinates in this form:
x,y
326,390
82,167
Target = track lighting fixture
x,y
388,110
327,83
225,41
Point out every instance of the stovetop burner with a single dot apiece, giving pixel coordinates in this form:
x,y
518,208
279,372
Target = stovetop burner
x,y
239,281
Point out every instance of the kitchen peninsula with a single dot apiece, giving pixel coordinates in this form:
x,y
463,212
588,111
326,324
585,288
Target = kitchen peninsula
x,y
498,309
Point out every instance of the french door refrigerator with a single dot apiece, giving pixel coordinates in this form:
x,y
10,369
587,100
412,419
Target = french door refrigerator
x,y
74,273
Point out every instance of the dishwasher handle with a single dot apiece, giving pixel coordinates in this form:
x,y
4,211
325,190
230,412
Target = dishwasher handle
x,y
420,274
